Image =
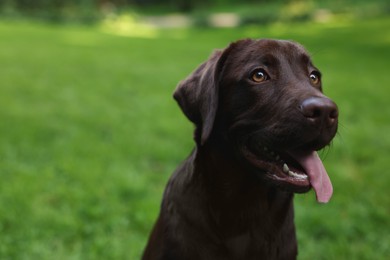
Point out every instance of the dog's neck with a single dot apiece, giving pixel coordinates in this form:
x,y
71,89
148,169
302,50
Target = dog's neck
x,y
238,199
229,206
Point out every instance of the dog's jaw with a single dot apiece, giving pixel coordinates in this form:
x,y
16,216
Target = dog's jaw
x,y
295,171
276,168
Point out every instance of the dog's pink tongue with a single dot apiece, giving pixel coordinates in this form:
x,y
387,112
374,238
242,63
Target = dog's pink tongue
x,y
318,176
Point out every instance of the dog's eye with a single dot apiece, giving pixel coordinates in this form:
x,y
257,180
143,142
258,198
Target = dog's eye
x,y
259,75
315,78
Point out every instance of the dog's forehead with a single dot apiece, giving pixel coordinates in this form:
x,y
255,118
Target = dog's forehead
x,y
271,50
280,45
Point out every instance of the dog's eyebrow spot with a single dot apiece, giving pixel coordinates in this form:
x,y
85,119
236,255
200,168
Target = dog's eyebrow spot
x,y
305,59
269,60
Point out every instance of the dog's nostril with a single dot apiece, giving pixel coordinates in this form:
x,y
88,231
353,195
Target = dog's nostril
x,y
315,113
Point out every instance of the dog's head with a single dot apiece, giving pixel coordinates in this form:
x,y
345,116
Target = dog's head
x,y
264,98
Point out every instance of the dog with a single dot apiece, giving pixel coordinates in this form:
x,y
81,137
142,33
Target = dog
x,y
260,115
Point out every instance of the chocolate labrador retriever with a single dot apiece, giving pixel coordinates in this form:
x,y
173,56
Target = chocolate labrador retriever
x,y
260,117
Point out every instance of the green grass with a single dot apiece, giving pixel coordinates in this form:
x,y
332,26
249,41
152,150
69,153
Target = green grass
x,y
89,134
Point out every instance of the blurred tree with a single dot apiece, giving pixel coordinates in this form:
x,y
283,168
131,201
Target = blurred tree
x,y
59,5
89,10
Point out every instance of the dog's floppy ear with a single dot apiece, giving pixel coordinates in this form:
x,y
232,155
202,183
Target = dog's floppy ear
x,y
197,95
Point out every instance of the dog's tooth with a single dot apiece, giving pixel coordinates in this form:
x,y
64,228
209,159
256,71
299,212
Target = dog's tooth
x,y
285,168
297,175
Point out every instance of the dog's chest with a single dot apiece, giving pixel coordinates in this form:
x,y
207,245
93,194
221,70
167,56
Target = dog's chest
x,y
238,245
252,245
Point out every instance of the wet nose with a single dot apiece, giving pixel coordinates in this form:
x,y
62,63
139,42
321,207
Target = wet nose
x,y
321,111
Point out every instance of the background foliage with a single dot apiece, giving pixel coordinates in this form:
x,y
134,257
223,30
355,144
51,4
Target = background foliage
x,y
252,11
89,132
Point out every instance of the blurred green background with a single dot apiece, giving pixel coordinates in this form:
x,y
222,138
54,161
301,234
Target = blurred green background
x,y
89,132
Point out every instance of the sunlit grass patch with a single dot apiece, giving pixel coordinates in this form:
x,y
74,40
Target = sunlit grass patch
x,y
128,25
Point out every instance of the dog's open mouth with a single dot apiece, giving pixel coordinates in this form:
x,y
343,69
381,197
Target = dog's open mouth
x,y
296,170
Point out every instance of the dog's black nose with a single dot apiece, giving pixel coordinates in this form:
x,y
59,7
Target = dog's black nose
x,y
320,110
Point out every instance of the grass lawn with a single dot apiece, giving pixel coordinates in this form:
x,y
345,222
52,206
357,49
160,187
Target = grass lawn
x,y
89,134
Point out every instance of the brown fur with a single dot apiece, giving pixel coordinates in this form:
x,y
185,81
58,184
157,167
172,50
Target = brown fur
x,y
217,205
